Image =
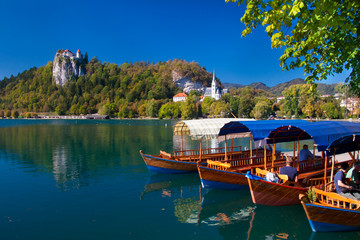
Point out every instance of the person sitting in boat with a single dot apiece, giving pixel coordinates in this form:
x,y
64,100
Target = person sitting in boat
x,y
305,154
289,169
340,184
354,175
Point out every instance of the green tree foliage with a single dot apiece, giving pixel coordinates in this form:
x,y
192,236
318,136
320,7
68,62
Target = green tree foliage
x,y
188,109
15,114
220,109
8,113
263,108
152,108
302,102
170,110
331,110
323,37
206,105
292,101
246,100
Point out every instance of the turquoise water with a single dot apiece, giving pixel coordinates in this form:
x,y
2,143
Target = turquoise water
x,y
85,179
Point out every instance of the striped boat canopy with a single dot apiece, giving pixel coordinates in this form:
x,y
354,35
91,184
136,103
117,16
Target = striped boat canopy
x,y
202,128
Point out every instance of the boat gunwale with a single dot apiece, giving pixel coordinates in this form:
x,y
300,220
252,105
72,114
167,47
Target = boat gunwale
x,y
169,160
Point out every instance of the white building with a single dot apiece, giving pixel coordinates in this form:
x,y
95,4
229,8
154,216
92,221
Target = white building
x,y
214,91
179,97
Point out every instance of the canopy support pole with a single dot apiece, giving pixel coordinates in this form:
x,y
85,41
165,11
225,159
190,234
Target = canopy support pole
x,y
200,149
332,166
207,145
298,151
226,158
325,171
182,145
294,152
273,156
232,148
251,149
352,156
265,157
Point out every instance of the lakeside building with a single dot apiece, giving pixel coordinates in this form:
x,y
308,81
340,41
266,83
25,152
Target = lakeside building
x,y
350,104
214,91
180,97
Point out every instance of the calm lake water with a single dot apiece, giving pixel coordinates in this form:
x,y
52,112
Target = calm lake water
x,y
85,179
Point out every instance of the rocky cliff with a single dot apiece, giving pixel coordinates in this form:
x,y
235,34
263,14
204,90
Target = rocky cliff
x,y
186,83
67,65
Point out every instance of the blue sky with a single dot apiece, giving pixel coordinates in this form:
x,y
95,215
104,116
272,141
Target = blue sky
x,y
204,31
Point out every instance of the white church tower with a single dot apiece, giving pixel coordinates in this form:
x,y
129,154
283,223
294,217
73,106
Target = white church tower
x,y
213,86
214,92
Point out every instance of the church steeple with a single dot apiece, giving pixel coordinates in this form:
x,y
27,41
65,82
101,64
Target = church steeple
x,y
213,86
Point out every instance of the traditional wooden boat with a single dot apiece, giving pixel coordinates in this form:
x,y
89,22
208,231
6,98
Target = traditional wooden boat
x,y
286,193
184,161
281,194
230,174
331,212
326,210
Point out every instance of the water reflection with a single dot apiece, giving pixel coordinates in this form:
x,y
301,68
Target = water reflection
x,y
231,213
170,183
80,152
68,174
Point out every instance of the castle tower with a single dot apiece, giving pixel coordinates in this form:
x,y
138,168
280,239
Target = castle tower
x,y
78,53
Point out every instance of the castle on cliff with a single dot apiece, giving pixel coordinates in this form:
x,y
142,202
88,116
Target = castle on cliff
x,y
67,65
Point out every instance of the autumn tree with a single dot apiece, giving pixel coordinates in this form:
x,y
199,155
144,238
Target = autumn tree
x,y
322,37
15,114
188,109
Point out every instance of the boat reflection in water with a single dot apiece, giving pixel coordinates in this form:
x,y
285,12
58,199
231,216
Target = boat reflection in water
x,y
171,183
231,212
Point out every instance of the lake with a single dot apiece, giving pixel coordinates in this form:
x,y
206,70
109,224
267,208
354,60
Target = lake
x,y
85,179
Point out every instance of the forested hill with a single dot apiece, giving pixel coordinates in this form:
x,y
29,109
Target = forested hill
x,y
278,89
129,86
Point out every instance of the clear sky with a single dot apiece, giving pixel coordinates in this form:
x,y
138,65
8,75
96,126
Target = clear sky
x,y
118,31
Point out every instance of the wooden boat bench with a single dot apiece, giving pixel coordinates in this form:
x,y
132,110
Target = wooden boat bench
x,y
262,173
335,200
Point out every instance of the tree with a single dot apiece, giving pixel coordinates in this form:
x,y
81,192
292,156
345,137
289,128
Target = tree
x,y
8,113
323,37
206,105
170,110
291,101
262,109
188,109
152,108
15,114
220,109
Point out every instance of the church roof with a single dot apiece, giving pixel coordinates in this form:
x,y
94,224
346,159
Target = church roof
x,y
181,95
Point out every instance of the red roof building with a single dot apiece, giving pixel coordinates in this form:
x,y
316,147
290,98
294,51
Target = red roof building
x,y
179,97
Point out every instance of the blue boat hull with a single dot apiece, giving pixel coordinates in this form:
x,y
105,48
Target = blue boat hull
x,y
222,185
331,219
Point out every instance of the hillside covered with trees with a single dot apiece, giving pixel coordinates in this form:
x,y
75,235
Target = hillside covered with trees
x,y
115,90
145,89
